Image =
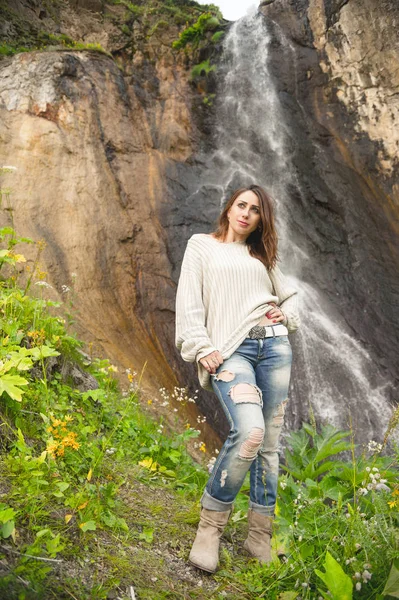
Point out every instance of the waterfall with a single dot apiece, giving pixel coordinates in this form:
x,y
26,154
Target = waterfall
x,y
333,372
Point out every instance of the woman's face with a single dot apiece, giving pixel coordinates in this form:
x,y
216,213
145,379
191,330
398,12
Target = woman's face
x,y
244,214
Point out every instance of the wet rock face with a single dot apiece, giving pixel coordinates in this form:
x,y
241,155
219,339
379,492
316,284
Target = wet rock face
x,y
357,50
90,181
340,98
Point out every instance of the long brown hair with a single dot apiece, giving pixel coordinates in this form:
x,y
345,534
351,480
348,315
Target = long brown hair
x,y
263,241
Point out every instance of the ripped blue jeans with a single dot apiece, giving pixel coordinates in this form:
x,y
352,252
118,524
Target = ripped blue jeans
x,y
252,387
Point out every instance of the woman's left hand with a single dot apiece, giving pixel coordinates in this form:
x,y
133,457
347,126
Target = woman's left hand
x,y
275,314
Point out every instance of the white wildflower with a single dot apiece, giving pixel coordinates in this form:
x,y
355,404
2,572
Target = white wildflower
x,y
374,447
43,284
382,487
211,464
366,576
358,586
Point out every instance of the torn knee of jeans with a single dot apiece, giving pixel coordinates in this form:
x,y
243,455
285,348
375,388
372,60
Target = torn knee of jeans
x,y
225,376
246,392
278,416
223,478
250,447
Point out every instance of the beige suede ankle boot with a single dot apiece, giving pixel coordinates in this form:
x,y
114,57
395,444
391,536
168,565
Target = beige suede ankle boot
x,y
205,551
260,530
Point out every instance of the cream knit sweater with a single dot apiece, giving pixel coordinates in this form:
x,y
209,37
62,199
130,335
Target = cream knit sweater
x,y
223,291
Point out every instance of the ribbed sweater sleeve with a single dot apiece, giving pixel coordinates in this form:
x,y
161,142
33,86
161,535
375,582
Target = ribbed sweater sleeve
x,y
191,335
288,299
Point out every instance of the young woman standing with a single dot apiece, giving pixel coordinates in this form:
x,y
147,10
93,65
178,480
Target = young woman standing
x,y
234,309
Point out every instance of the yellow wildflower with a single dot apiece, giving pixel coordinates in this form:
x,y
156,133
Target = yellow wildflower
x,y
41,244
392,503
148,463
19,258
41,275
52,448
149,402
202,447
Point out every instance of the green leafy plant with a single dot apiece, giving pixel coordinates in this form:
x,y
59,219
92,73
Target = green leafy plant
x,y
195,33
338,583
201,69
310,451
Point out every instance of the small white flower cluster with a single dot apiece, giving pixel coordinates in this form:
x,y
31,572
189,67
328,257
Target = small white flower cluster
x,y
304,585
178,395
133,385
65,289
373,481
160,428
283,485
374,447
110,451
365,577
201,419
211,464
43,284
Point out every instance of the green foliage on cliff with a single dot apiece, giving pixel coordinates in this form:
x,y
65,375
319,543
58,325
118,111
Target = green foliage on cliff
x,y
49,41
195,33
25,34
203,68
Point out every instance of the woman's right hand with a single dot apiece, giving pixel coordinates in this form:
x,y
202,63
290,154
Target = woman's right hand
x,y
212,361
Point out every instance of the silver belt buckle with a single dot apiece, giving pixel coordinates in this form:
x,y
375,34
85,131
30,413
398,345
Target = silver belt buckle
x,y
258,332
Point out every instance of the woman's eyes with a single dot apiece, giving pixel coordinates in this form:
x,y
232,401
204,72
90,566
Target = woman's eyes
x,y
242,205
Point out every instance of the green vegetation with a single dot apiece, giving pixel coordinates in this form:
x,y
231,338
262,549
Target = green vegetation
x,y
203,69
196,33
99,497
48,41
217,36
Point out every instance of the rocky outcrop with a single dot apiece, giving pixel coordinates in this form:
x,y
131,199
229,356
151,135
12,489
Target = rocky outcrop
x,y
340,100
90,182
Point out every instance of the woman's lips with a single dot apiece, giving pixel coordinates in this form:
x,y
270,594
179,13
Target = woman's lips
x,y
243,224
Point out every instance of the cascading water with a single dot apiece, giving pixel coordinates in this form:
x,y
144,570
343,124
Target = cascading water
x,y
333,373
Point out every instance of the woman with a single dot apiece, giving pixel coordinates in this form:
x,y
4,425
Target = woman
x,y
234,310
